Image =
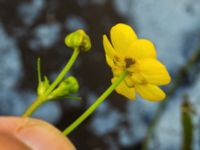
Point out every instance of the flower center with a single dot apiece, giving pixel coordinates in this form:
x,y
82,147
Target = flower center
x,y
129,62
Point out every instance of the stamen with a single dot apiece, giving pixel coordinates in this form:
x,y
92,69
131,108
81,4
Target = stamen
x,y
115,60
143,81
129,62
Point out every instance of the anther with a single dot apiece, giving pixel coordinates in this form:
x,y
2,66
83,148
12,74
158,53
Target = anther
x,y
129,62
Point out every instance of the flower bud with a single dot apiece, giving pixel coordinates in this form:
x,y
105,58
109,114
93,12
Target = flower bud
x,y
71,84
68,86
78,39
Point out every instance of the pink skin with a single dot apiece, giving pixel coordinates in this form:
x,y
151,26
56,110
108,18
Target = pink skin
x,y
31,134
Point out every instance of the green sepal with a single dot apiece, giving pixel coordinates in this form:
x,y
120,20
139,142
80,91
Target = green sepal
x,y
68,86
43,86
76,98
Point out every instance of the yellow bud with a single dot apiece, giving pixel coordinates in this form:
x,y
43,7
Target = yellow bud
x,y
78,39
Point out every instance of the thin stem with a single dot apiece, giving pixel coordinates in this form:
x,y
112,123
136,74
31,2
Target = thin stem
x,y
187,125
91,109
63,72
41,99
36,103
39,71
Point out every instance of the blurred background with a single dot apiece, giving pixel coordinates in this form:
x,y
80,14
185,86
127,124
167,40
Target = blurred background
x,y
36,28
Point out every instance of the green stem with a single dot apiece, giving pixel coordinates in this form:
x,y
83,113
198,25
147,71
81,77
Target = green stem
x,y
39,71
36,103
92,108
187,126
63,72
41,99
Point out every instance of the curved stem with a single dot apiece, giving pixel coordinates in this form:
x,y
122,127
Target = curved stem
x,y
92,108
36,103
63,72
42,98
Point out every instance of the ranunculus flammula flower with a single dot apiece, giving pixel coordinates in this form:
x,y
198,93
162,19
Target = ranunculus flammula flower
x,y
138,57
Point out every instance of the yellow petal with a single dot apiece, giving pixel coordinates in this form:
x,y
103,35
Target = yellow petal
x,y
141,49
109,61
129,82
117,71
110,52
122,36
115,63
150,92
137,78
153,71
124,90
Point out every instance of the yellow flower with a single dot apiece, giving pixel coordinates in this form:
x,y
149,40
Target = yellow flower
x,y
138,57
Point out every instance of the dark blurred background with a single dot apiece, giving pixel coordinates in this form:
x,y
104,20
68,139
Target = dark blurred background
x,y
36,28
